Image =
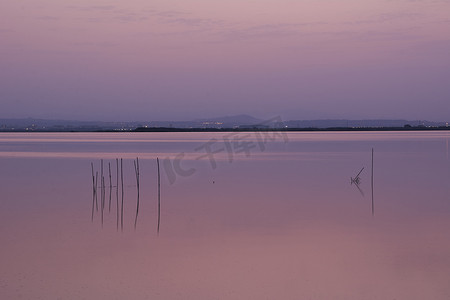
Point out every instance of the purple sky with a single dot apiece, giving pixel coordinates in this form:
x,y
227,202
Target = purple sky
x,y
185,59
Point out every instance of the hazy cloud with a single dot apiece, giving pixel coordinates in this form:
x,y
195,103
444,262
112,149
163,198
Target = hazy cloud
x,y
48,18
385,17
93,8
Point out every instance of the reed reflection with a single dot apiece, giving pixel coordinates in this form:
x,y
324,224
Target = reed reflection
x,y
119,189
103,191
356,181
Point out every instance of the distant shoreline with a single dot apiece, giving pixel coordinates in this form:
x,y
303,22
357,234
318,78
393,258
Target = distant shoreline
x,y
331,129
167,129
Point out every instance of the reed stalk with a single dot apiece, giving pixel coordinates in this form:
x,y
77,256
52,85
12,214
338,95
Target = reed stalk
x,y
121,179
373,205
96,182
103,197
136,169
93,177
93,192
110,185
117,193
159,196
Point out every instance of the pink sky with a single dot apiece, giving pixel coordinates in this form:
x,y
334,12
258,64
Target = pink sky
x,y
128,60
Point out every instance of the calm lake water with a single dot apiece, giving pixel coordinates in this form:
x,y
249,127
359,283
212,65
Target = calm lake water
x,y
243,216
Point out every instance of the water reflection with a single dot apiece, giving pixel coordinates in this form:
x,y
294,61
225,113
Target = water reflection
x,y
446,143
359,189
283,224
